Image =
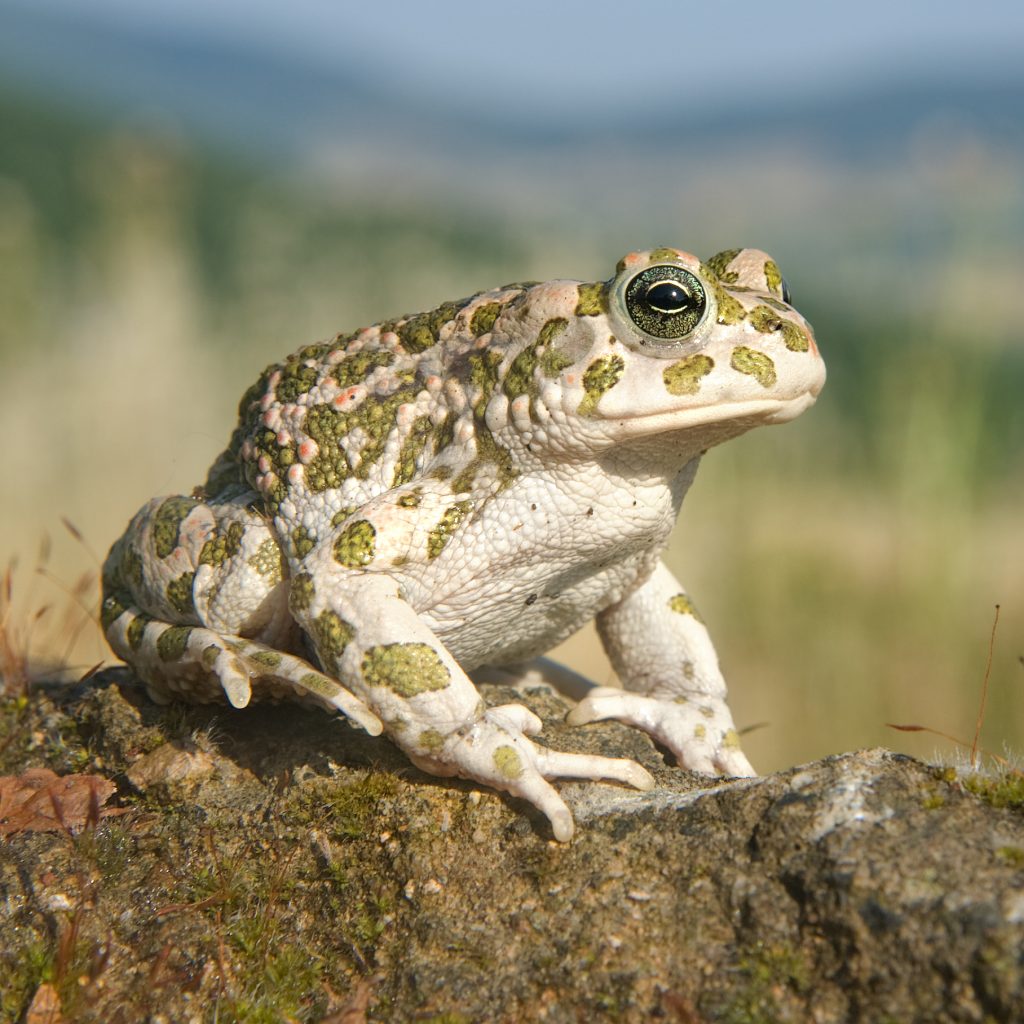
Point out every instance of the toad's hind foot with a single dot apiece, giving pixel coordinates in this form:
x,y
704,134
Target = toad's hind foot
x,y
201,665
698,730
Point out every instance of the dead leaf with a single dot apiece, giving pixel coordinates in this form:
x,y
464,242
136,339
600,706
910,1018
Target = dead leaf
x,y
353,1010
38,800
45,1007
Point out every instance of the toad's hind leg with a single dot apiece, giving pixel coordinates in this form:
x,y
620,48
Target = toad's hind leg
x,y
194,600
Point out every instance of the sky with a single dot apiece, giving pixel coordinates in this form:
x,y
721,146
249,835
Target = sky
x,y
559,55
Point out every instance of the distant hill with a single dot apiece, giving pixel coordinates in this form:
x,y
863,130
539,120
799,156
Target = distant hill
x,y
268,103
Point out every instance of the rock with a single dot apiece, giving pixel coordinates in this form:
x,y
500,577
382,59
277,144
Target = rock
x,y
172,771
302,870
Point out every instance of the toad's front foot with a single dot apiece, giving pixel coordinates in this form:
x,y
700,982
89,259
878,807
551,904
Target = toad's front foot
x,y
496,750
699,731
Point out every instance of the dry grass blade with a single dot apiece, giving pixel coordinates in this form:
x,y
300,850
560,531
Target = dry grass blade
x,y
963,744
89,673
13,662
39,638
73,530
974,744
984,687
927,729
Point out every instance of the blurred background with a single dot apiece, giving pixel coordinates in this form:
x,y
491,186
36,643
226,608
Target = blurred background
x,y
190,191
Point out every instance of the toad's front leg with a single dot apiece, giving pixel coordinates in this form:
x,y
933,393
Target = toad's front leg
x,y
367,635
663,654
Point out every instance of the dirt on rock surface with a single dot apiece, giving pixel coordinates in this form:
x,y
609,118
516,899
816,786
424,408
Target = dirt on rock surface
x,y
275,864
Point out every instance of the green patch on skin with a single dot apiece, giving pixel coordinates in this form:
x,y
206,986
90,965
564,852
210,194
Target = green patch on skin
x,y
167,522
773,277
411,450
520,378
268,561
552,329
332,634
593,299
793,338
731,740
411,499
431,739
445,433
296,379
129,569
483,375
684,377
267,659
274,491
319,349
600,377
328,427
171,643
755,364
356,544
111,611
553,362
224,544
484,317
508,762
682,605
488,451
136,631
718,263
730,309
663,254
420,332
700,731
302,541
342,514
321,684
179,594
355,368
408,669
209,657
766,320
447,525
302,592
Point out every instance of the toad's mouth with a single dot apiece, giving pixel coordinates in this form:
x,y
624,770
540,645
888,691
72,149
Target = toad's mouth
x,y
745,414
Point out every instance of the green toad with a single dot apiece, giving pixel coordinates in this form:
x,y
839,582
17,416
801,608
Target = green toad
x,y
465,488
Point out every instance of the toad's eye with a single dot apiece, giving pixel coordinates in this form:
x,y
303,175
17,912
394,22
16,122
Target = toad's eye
x,y
666,302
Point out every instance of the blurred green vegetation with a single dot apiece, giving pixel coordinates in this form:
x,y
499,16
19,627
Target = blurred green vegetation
x,y
848,564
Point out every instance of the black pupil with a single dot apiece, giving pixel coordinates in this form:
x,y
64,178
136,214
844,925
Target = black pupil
x,y
668,297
